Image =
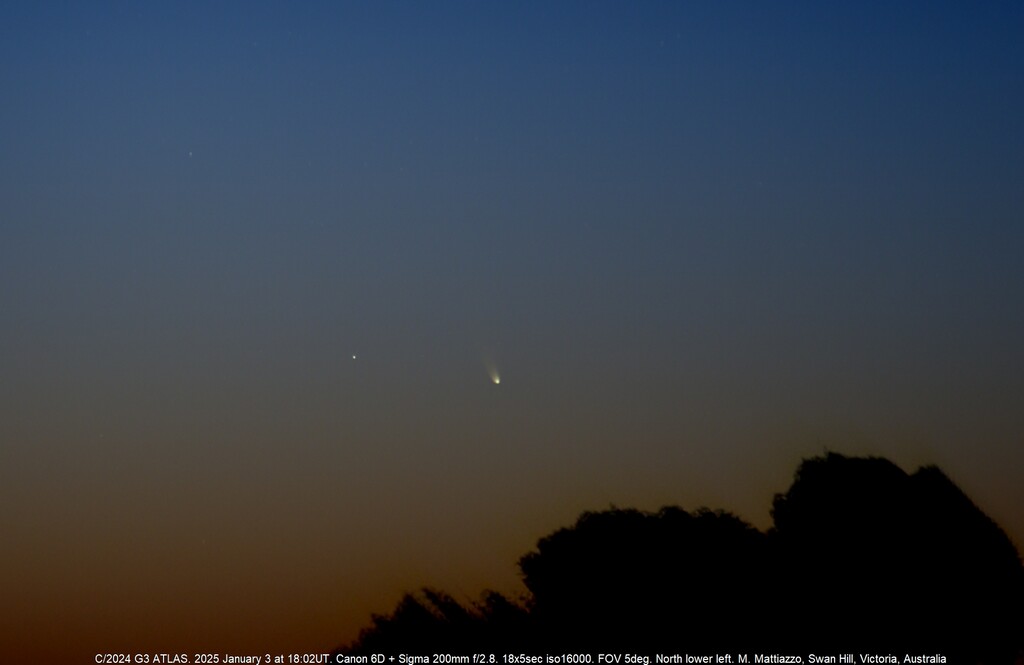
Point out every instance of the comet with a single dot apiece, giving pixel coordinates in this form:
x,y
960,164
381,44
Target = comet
x,y
492,371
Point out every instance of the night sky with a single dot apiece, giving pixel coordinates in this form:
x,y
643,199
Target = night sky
x,y
262,263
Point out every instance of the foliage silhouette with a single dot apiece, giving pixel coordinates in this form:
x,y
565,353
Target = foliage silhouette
x,y
433,620
910,559
861,556
623,577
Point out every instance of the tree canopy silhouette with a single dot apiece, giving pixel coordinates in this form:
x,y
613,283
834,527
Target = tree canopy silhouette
x,y
620,578
861,555
911,559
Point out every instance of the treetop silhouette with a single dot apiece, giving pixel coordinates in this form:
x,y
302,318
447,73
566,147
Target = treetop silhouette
x,y
861,555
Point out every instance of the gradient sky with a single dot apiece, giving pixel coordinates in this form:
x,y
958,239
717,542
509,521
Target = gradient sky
x,y
258,260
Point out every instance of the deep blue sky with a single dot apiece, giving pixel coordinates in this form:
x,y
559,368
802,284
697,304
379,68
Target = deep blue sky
x,y
697,241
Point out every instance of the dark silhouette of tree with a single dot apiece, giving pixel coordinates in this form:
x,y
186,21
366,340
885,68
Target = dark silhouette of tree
x,y
621,578
434,621
871,555
861,556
